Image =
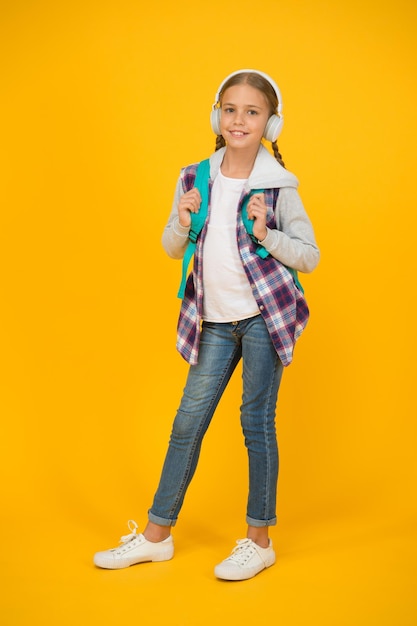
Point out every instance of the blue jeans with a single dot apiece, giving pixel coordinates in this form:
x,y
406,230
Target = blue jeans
x,y
222,345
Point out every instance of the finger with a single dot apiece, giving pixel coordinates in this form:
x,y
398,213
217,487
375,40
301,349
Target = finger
x,y
191,204
256,201
192,196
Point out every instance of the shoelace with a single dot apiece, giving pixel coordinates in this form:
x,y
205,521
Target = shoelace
x,y
242,552
133,528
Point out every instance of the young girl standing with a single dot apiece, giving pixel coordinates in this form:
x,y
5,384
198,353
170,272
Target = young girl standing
x,y
242,301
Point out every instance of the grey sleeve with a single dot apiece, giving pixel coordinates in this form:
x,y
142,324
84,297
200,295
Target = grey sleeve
x,y
175,236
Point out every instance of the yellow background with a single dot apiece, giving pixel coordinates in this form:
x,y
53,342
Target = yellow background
x,y
101,103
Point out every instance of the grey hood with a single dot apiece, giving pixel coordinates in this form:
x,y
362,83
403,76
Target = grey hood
x,y
267,173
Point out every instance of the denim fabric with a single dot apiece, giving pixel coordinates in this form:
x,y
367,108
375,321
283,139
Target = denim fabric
x,y
221,348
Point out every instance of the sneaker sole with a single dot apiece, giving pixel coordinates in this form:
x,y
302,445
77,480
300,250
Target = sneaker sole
x,y
106,563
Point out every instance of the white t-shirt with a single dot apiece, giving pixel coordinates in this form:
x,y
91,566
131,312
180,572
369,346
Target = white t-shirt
x,y
227,294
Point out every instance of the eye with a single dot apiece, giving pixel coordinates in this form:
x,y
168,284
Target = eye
x,y
252,112
228,109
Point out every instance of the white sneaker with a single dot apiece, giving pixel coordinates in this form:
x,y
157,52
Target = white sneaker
x,y
246,560
134,549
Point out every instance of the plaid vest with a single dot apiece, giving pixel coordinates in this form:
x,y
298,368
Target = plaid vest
x,y
281,304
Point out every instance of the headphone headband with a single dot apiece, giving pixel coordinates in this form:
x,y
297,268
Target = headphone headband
x,y
245,71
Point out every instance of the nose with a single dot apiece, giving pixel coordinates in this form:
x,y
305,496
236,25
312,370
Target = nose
x,y
238,117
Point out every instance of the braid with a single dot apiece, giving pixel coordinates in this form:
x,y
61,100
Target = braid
x,y
277,153
220,142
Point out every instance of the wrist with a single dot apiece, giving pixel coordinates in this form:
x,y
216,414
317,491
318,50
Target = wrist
x,y
180,229
263,236
187,224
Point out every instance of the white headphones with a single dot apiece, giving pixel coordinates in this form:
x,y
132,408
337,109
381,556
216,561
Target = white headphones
x,y
274,124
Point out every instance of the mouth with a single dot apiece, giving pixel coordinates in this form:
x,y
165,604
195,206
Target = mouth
x,y
237,133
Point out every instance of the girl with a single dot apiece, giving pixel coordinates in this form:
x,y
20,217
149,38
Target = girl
x,y
245,304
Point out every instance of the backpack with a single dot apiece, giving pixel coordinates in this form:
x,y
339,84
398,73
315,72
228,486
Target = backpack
x,y
198,220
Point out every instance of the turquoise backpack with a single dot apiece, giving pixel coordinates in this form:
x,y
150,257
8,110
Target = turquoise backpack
x,y
198,220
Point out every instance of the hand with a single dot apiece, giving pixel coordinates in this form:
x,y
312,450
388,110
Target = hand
x,y
189,203
257,211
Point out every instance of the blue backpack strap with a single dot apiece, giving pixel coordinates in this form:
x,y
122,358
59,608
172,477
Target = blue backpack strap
x,y
197,219
248,224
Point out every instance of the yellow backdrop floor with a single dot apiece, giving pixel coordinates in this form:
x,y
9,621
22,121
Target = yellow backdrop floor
x,y
347,572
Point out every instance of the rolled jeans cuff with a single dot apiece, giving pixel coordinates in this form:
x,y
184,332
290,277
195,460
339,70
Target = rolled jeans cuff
x,y
258,523
161,521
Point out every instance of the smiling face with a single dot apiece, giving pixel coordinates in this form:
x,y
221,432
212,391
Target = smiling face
x,y
244,114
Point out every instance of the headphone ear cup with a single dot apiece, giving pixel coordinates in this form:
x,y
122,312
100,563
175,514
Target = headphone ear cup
x,y
273,128
215,121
